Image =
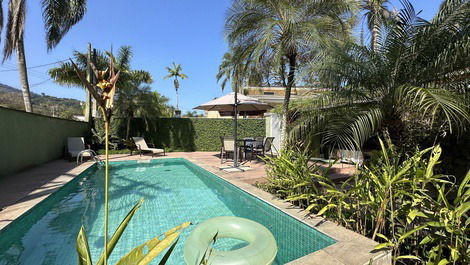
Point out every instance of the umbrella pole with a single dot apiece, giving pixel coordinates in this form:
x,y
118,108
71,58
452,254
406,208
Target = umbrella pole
x,y
235,124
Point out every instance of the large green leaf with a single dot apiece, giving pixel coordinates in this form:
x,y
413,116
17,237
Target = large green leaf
x,y
118,233
138,256
83,250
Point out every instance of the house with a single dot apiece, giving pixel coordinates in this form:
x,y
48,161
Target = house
x,y
274,96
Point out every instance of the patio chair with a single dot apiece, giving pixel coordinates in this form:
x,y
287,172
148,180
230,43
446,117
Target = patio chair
x,y
144,148
265,148
227,147
350,157
75,145
259,141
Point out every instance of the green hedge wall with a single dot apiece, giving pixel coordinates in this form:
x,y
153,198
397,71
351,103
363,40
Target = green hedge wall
x,y
193,134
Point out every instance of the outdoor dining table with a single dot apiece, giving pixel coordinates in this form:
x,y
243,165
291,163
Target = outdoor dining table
x,y
244,146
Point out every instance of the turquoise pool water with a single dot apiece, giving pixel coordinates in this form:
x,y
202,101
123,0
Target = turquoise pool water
x,y
175,191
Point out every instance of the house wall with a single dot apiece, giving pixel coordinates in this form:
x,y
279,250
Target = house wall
x,y
28,139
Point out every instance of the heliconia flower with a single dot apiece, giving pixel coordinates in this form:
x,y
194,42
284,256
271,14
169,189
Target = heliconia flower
x,y
105,89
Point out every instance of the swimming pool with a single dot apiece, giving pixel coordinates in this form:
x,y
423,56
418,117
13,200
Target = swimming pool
x,y
175,191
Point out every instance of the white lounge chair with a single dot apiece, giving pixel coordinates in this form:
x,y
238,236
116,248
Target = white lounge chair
x,y
143,147
350,157
74,146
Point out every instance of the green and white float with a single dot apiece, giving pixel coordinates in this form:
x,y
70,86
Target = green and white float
x,y
261,248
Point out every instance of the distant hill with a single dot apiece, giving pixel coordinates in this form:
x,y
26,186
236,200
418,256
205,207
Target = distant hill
x,y
12,98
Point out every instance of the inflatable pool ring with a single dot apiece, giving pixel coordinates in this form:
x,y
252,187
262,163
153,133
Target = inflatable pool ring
x,y
261,248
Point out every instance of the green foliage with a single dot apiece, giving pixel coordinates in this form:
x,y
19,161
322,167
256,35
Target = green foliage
x,y
43,104
398,200
292,176
194,134
114,152
419,69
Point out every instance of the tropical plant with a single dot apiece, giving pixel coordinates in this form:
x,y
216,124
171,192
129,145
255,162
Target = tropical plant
x,y
134,98
225,72
135,101
176,71
104,93
66,75
292,176
398,200
241,73
420,71
59,17
285,33
376,13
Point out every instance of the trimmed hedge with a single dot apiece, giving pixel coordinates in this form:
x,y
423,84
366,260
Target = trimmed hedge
x,y
194,134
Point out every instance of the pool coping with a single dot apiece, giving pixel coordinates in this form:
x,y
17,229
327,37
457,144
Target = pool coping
x,y
32,199
350,249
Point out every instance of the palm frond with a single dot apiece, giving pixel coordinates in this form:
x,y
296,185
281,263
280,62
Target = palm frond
x,y
59,16
434,102
15,26
1,17
125,55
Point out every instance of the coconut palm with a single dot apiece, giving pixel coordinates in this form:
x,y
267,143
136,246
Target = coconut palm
x,y
420,75
376,13
65,74
176,72
285,33
59,17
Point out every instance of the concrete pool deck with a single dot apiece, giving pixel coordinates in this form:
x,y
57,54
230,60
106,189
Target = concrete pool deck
x,y
21,192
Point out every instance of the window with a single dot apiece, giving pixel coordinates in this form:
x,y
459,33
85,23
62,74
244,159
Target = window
x,y
268,93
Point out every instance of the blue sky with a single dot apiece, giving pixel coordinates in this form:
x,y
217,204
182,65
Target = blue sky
x,y
160,32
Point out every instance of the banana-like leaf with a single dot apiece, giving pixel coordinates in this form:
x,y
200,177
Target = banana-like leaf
x,y
168,253
119,231
408,257
83,250
155,246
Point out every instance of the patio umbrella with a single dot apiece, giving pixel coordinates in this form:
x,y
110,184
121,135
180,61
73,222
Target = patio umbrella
x,y
235,103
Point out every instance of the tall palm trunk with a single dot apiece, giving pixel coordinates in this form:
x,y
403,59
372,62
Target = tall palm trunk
x,y
177,85
285,107
177,98
375,36
20,55
128,125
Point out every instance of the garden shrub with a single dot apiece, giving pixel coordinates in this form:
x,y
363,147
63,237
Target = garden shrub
x,y
397,200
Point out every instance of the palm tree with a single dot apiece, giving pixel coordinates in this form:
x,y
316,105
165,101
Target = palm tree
x,y
175,72
59,16
226,71
284,33
65,74
136,101
376,13
133,96
249,73
421,71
